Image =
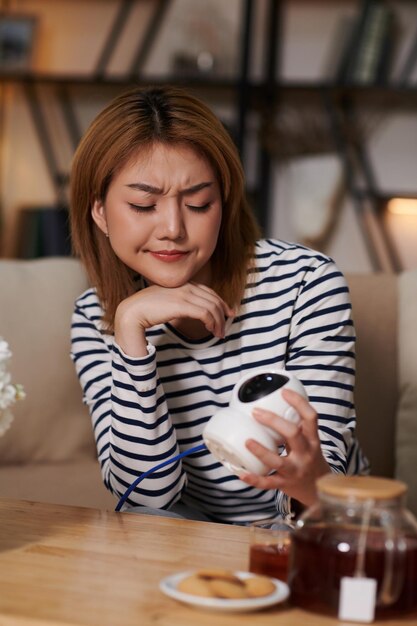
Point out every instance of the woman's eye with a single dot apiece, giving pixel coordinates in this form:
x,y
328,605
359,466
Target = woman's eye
x,y
199,207
140,208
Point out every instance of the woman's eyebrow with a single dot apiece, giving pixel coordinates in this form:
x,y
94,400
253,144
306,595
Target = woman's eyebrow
x,y
145,187
196,188
156,190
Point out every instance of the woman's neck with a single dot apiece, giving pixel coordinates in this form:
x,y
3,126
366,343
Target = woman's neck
x,y
192,329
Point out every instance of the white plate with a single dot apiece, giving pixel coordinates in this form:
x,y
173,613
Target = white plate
x,y
169,587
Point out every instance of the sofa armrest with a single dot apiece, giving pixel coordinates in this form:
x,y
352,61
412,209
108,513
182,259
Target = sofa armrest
x,y
375,303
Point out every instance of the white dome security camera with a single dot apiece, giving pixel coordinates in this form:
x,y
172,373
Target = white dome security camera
x,y
227,431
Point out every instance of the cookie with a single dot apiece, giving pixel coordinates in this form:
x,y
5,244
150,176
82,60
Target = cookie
x,y
219,574
259,586
222,583
195,586
228,590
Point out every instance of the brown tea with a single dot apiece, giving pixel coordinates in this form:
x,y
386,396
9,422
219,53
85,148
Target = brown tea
x,y
320,557
269,560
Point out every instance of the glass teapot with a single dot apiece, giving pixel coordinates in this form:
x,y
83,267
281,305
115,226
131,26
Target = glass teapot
x,y
358,530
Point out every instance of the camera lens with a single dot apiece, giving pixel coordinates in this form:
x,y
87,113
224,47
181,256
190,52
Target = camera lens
x,y
260,386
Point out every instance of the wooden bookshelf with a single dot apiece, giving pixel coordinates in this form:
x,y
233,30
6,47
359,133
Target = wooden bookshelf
x,y
263,96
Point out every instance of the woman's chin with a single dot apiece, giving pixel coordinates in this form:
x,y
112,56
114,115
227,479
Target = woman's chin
x,y
169,282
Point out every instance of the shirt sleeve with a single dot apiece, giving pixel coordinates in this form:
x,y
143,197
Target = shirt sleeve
x,y
321,353
131,422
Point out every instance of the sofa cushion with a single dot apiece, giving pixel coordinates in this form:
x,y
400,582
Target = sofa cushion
x,y
51,424
75,484
406,442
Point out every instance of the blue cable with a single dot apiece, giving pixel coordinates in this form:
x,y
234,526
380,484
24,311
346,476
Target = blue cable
x,y
129,490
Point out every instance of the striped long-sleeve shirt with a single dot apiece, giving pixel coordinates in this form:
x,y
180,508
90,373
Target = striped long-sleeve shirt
x,y
295,314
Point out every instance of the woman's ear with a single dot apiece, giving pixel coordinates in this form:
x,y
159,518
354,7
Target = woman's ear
x,y
98,213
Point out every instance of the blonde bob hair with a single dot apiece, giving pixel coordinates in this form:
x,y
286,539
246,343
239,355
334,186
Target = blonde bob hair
x,y
134,122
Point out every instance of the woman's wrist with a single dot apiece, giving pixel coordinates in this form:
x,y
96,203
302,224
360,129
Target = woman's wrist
x,y
129,334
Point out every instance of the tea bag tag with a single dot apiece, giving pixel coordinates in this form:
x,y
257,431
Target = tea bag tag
x,y
357,599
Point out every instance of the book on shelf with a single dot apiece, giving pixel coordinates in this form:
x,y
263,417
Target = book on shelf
x,y
367,54
408,73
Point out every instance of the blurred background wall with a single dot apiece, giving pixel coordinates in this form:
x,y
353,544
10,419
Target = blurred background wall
x,y
320,97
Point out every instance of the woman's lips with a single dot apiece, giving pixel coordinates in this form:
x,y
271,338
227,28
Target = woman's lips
x,y
168,256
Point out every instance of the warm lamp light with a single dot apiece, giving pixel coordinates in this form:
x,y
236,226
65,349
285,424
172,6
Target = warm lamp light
x,y
402,206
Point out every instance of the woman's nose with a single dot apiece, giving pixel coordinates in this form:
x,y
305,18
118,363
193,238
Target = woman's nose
x,y
171,224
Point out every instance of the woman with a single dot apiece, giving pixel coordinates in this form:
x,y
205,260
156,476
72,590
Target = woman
x,y
186,299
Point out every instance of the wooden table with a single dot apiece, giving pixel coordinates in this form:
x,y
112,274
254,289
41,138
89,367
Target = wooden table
x,y
69,566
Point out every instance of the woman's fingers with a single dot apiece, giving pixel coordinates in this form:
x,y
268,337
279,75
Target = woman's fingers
x,y
306,411
228,311
156,305
208,311
307,427
213,308
296,471
271,459
212,318
274,481
290,432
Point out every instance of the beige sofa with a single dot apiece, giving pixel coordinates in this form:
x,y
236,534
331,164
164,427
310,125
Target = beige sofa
x,y
49,454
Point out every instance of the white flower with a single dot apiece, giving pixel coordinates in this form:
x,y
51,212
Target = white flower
x,y
8,393
7,396
5,353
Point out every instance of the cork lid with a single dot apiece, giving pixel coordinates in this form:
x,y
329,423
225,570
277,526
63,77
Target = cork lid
x,y
360,487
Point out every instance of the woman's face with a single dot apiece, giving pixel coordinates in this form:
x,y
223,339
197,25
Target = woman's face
x,y
162,214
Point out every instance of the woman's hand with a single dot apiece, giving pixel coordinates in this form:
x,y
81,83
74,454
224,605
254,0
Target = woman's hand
x,y
158,305
296,473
